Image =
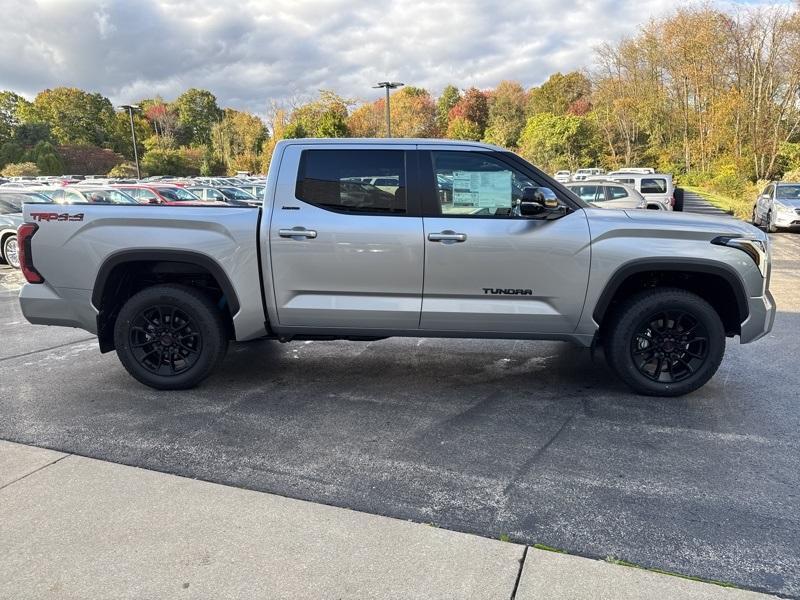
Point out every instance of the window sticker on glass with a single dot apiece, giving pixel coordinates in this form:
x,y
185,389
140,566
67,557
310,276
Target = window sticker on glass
x,y
482,189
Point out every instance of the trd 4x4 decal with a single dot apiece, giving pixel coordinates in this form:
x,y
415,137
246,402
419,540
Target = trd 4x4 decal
x,y
51,216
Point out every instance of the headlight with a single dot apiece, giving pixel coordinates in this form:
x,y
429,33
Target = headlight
x,y
782,207
755,248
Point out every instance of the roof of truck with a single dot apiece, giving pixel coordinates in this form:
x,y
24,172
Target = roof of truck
x,y
391,141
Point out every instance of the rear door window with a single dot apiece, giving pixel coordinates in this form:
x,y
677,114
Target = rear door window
x,y
588,193
654,185
353,181
616,192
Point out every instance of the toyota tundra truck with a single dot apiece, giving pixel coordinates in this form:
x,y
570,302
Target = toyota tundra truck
x,y
366,239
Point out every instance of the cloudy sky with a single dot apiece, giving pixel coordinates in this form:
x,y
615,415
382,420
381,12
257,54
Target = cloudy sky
x,y
249,52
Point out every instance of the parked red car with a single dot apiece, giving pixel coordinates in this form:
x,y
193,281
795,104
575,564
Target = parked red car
x,y
164,194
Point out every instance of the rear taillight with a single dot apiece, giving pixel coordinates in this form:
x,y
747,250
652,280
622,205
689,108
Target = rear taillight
x,y
672,201
24,235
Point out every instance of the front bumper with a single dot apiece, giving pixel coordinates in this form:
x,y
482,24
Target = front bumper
x,y
787,219
762,316
43,304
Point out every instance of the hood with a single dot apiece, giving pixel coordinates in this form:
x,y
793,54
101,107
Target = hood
x,y
790,202
721,225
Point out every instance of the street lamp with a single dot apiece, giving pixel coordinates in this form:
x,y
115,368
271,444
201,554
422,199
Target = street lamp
x,y
389,85
130,108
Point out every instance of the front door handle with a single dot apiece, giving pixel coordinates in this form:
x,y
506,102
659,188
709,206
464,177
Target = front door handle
x,y
297,232
447,236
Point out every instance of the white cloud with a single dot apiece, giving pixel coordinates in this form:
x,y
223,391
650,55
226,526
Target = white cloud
x,y
253,51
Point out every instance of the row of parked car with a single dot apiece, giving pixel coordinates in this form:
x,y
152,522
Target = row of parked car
x,y
634,187
205,191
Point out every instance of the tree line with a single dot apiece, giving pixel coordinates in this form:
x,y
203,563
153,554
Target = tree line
x,y
708,94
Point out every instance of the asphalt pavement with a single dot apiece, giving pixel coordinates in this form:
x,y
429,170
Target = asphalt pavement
x,y
531,440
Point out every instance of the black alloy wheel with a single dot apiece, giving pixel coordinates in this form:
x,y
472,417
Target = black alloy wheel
x,y
170,336
165,340
669,346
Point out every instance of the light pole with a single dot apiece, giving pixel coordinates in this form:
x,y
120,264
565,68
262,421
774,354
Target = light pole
x,y
130,108
389,85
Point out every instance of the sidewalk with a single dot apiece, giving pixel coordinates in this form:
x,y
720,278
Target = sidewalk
x,y
74,527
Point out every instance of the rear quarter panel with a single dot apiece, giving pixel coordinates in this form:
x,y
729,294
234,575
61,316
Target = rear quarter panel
x,y
69,253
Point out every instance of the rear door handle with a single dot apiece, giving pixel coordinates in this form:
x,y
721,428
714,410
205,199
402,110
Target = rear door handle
x,y
447,236
297,232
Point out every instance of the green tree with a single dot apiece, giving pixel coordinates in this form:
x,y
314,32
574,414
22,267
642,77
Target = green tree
x,y
20,169
197,112
121,140
46,158
461,128
559,141
11,107
237,140
558,93
449,98
506,114
324,117
10,152
30,134
74,116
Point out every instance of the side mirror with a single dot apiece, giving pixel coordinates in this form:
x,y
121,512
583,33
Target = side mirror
x,y
540,201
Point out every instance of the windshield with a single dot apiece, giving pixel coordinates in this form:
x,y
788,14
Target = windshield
x,y
177,194
236,193
788,192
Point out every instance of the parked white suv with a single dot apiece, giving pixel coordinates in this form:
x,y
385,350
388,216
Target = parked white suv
x,y
657,188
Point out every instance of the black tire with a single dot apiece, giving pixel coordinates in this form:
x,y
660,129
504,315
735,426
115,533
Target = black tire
x,y
675,333
170,337
678,195
754,218
11,251
770,226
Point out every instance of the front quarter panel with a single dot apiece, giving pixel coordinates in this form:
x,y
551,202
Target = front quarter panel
x,y
619,240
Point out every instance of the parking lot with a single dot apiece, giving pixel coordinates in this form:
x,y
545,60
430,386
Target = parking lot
x,y
532,440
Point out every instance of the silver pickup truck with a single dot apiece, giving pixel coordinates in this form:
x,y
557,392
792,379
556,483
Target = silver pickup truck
x,y
366,239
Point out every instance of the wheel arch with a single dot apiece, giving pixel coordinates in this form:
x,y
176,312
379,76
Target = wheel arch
x,y
126,272
714,281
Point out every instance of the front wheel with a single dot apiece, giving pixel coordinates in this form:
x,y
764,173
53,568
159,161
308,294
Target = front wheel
x,y
771,227
11,251
170,337
665,342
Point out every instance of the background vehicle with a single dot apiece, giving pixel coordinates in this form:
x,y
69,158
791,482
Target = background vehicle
x,y
161,194
607,194
10,220
91,195
230,195
562,176
13,201
508,254
778,207
636,170
655,187
582,174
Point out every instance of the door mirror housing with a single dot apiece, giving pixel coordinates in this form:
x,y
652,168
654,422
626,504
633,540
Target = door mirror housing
x,y
540,202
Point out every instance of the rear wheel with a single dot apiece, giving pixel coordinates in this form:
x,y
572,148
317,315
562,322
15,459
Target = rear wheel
x,y
678,195
666,342
170,337
11,251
